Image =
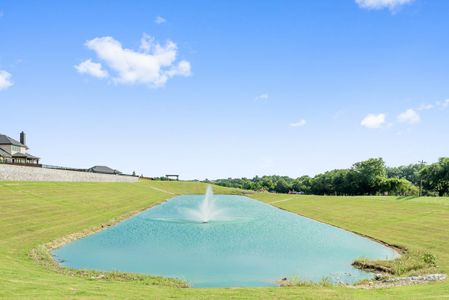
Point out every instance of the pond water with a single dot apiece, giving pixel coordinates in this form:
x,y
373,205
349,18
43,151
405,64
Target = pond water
x,y
250,244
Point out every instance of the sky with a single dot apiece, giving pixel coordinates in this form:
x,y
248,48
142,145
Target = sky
x,y
226,88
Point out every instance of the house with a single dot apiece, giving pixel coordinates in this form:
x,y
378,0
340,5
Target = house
x,y
104,170
12,151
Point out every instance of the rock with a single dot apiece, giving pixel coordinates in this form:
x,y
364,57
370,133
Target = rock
x,y
378,276
385,282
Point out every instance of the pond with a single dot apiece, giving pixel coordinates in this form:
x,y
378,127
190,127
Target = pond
x,y
245,243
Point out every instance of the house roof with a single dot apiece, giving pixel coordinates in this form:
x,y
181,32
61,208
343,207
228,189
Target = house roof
x,y
6,140
4,153
103,169
32,156
26,155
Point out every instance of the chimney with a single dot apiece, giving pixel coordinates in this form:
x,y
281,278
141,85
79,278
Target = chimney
x,y
23,138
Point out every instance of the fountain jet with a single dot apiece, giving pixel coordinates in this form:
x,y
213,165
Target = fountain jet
x,y
206,211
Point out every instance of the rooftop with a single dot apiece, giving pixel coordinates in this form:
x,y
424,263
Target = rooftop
x,y
6,140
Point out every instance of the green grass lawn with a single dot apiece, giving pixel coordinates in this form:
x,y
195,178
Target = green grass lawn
x,y
33,214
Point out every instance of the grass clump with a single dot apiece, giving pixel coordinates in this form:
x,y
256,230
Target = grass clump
x,y
296,281
410,263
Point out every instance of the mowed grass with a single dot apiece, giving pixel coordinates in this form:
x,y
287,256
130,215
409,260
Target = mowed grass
x,y
33,214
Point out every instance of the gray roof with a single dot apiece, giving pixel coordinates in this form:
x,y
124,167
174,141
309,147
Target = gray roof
x,y
3,153
29,156
32,156
103,169
6,140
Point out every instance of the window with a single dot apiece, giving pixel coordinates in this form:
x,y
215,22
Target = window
x,y
16,148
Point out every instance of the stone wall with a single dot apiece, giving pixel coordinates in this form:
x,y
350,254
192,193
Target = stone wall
x,y
23,173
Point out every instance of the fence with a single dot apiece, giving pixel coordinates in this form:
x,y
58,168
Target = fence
x,y
61,168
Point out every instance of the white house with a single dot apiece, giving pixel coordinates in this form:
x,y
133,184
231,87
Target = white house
x,y
12,151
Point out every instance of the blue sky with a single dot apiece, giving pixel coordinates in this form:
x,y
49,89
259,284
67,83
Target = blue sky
x,y
210,89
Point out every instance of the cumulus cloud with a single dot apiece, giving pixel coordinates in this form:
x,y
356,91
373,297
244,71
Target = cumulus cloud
x,y
5,80
153,64
300,123
160,20
380,4
374,120
91,68
409,116
262,97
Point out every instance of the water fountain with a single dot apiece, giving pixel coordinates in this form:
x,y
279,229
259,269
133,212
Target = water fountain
x,y
207,210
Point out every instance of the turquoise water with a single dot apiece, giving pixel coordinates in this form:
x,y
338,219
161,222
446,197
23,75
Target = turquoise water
x,y
254,245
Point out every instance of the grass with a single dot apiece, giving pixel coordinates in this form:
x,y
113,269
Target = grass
x,y
33,214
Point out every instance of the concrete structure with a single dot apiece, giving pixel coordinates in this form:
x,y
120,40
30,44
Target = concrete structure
x,y
29,173
12,151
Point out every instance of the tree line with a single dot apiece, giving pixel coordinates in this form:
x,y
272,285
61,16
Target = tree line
x,y
369,177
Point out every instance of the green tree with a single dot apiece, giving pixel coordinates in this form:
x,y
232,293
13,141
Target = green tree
x,y
436,176
302,184
282,186
369,174
397,186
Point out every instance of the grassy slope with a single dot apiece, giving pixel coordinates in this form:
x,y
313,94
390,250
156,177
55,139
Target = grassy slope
x,y
36,213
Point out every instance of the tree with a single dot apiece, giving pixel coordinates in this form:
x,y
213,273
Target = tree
x,y
367,177
282,186
397,186
410,172
436,176
369,174
302,184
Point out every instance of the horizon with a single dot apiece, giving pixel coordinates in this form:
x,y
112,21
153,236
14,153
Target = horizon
x,y
253,88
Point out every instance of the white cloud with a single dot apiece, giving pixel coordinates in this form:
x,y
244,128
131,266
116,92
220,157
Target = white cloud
x,y
153,65
425,107
300,123
443,104
160,20
1,13
262,97
5,80
373,120
380,4
146,42
409,116
91,68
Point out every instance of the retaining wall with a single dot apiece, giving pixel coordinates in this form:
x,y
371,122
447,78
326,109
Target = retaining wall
x,y
22,173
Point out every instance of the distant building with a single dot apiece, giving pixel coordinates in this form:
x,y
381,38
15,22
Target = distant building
x,y
12,151
104,170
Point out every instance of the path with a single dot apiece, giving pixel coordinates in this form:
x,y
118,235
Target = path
x,y
161,190
273,202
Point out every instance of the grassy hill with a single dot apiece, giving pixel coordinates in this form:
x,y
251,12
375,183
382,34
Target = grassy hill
x,y
32,214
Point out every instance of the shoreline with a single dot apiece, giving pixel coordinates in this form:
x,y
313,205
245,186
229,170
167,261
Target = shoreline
x,y
399,249
48,261
42,255
380,281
